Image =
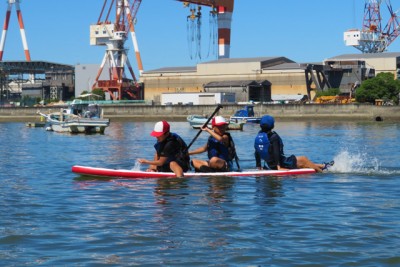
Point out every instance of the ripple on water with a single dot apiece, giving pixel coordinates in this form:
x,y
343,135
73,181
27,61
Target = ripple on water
x,y
348,216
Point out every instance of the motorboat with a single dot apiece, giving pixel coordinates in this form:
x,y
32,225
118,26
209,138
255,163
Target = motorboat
x,y
80,117
197,121
245,115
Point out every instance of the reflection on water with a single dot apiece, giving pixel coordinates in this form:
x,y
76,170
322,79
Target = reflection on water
x,y
347,216
268,190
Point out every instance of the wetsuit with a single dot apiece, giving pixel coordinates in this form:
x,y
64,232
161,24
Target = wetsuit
x,y
174,148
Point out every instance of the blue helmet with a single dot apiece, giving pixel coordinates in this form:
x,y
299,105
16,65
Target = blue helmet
x,y
267,121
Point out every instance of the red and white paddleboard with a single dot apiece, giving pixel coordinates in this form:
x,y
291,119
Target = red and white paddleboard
x,y
123,173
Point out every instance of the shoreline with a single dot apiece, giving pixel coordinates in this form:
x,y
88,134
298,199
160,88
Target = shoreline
x,y
286,112
35,119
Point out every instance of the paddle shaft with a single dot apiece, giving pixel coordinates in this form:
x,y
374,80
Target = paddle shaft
x,y
237,161
204,125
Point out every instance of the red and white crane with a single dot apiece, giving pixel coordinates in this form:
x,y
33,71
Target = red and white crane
x,y
113,35
224,9
10,4
373,38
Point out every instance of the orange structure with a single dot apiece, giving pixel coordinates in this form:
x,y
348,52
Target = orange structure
x,y
10,4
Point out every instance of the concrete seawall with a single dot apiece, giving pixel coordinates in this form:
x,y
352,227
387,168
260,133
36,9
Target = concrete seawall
x,y
287,111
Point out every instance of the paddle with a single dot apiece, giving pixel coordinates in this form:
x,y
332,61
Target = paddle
x,y
204,125
236,156
237,162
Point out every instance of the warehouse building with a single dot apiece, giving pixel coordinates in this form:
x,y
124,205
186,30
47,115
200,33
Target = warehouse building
x,y
251,79
349,70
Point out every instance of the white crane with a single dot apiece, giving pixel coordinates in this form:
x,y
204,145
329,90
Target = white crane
x,y
113,35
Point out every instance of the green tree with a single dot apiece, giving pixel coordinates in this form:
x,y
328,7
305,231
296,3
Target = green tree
x,y
329,92
99,92
383,86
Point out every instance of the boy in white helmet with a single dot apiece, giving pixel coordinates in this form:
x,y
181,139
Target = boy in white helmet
x,y
171,151
220,148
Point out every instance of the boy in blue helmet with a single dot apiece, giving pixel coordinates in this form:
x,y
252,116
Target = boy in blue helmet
x,y
268,146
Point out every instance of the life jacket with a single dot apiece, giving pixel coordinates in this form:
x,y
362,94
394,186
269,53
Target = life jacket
x,y
262,146
181,155
218,149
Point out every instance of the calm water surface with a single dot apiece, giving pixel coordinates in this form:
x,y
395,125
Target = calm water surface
x,y
349,216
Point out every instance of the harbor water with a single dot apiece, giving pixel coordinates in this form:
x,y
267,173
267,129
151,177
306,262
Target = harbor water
x,y
349,216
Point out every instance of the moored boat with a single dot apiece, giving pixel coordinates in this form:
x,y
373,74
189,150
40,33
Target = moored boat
x,y
197,121
79,117
245,115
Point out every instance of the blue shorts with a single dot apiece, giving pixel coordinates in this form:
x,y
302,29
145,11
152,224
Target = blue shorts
x,y
289,162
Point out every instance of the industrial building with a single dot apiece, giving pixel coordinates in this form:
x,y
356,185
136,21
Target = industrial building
x,y
251,79
278,78
35,79
346,70
380,62
261,79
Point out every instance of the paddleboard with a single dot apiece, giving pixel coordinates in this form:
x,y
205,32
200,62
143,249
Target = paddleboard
x,y
123,173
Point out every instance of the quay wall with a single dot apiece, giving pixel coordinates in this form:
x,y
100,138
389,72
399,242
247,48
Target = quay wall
x,y
284,111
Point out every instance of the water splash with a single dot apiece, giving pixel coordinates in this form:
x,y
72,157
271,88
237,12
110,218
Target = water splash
x,y
359,162
346,162
137,166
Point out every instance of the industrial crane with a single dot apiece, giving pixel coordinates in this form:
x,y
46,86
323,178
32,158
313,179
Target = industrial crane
x,y
113,35
373,38
224,10
10,4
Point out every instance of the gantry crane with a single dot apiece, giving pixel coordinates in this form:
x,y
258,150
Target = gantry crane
x,y
373,38
113,35
10,4
224,10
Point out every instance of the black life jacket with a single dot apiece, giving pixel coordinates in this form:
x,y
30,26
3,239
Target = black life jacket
x,y
181,155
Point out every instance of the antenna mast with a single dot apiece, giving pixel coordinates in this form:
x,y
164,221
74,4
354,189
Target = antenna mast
x,y
10,4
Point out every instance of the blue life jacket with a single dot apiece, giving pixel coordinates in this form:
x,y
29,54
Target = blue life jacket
x,y
262,146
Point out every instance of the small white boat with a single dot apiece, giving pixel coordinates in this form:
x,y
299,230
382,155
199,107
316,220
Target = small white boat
x,y
79,117
197,121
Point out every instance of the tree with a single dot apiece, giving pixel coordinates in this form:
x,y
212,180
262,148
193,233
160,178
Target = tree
x,y
99,92
383,86
329,92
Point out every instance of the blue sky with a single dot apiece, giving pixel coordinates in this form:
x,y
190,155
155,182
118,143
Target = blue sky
x,y
304,31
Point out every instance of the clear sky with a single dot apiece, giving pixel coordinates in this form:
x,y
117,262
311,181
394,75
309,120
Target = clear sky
x,y
303,31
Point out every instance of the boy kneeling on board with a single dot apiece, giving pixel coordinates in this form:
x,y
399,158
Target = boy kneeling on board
x,y
268,146
171,151
220,148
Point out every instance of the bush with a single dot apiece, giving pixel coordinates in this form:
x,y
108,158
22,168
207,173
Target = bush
x,y
329,92
99,92
383,86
